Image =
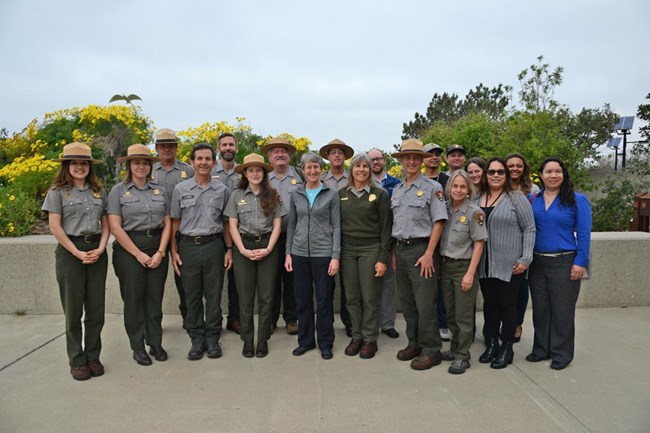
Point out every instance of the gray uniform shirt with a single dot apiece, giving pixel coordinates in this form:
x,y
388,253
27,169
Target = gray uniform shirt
x,y
140,209
336,184
245,206
463,227
416,208
231,180
80,209
285,186
199,209
168,179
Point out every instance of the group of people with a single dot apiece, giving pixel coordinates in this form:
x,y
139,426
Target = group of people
x,y
426,243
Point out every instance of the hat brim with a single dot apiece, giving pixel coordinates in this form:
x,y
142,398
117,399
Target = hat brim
x,y
124,159
77,158
241,167
347,150
411,152
265,149
463,151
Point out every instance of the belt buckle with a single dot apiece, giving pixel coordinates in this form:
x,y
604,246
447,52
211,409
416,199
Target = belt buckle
x,y
88,239
259,238
197,240
148,233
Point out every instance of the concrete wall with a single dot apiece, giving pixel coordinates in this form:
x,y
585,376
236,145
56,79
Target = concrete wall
x,y
620,270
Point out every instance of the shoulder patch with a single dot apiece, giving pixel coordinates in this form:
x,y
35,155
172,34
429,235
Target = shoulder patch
x,y
479,217
439,195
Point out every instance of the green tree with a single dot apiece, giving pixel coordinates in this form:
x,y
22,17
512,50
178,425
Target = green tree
x,y
538,83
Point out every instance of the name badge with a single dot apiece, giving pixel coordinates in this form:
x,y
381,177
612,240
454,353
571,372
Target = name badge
x,y
343,198
185,197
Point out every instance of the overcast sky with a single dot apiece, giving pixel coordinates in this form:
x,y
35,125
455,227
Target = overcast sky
x,y
356,70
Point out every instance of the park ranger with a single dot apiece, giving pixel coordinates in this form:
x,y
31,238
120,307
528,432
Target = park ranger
x,y
418,218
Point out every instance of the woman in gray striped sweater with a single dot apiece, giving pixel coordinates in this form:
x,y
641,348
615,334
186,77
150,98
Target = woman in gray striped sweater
x,y
508,252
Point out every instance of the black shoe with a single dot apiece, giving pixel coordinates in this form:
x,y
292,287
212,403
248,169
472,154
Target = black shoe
x,y
214,350
141,357
447,355
535,358
326,354
262,350
348,331
248,351
390,332
196,352
299,351
504,357
158,353
557,365
491,350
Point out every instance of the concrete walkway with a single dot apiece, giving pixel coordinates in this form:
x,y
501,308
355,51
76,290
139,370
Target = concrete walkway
x,y
606,389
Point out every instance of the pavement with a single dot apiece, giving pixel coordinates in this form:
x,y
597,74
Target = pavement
x,y
606,388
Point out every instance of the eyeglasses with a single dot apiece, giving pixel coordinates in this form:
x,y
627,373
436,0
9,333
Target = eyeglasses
x,y
380,158
500,172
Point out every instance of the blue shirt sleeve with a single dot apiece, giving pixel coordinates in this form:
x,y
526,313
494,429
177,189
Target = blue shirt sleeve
x,y
583,230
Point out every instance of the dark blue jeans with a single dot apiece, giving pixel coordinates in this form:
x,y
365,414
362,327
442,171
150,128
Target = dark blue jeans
x,y
309,274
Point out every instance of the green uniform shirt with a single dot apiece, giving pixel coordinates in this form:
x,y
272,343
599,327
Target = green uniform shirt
x,y
463,227
80,209
245,206
140,209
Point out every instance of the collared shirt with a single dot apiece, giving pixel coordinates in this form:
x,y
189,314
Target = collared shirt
x,y
464,226
360,193
389,183
336,184
230,179
200,209
416,208
140,209
80,209
245,206
168,179
285,186
563,228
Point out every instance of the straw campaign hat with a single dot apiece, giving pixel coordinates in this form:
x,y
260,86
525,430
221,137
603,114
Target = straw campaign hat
x,y
138,151
76,150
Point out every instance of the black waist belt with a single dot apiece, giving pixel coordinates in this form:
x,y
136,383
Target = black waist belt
x,y
89,239
414,241
148,233
200,239
558,254
451,259
255,238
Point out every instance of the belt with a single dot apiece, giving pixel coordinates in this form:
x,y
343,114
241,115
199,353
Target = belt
x,y
414,241
89,239
451,259
148,233
255,238
558,254
200,239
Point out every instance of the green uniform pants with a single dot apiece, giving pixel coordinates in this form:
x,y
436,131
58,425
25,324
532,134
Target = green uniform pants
x,y
459,305
82,289
202,274
362,288
417,297
142,291
251,277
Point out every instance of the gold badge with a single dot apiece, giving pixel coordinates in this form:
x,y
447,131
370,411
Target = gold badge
x,y
462,219
242,202
420,193
96,194
183,174
479,218
156,192
294,181
127,193
372,197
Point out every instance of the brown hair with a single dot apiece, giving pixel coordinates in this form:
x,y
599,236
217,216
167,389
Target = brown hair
x,y
62,178
525,184
128,176
269,197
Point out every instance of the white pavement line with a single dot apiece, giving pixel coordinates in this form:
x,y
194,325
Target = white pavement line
x,y
31,351
564,419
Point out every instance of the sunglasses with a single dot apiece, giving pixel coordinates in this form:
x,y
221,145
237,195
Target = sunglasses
x,y
500,172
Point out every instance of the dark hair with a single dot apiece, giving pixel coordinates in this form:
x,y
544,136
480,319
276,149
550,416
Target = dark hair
x,y
269,197
567,195
62,178
478,161
484,185
128,176
525,184
224,135
201,146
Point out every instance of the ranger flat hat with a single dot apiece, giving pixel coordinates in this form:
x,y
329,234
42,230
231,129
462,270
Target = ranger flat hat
x,y
76,150
166,135
336,144
412,146
454,148
278,142
253,160
138,151
432,147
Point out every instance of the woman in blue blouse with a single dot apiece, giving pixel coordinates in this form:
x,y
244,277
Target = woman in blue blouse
x,y
560,259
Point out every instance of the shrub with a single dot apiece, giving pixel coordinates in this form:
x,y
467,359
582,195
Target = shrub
x,y
18,211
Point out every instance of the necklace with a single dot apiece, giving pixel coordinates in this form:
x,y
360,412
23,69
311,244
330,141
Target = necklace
x,y
487,199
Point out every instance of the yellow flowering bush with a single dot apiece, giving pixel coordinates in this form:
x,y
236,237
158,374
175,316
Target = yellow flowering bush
x,y
32,174
18,212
